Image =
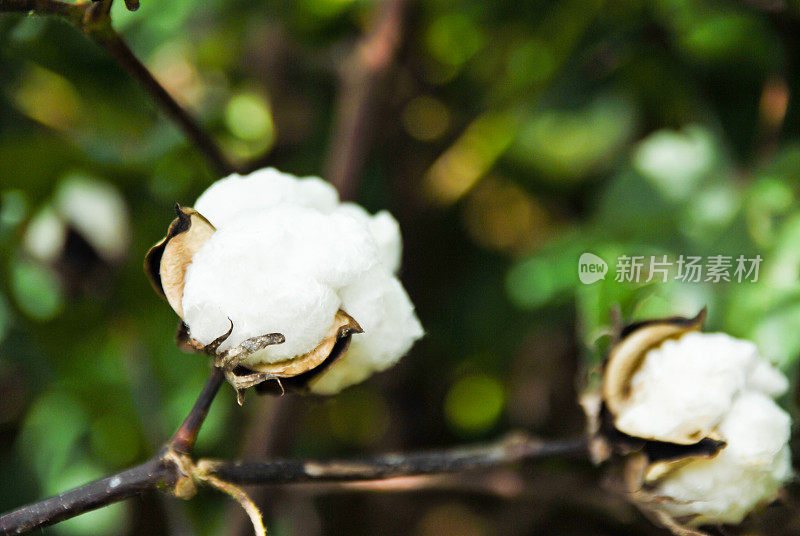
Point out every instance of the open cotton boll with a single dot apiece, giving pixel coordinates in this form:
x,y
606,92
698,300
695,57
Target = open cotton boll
x,y
747,472
386,314
685,387
236,195
298,276
275,271
702,441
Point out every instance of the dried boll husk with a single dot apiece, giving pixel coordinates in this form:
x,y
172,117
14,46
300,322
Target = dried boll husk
x,y
166,264
343,327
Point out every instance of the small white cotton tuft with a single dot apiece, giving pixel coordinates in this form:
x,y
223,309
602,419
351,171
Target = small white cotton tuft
x,y
385,230
390,329
285,257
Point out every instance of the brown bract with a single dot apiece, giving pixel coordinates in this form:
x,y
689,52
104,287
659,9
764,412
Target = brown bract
x,y
628,354
295,373
167,261
343,326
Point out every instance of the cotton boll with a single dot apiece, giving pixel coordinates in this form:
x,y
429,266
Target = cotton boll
x,y
707,398
747,472
390,325
229,198
685,386
385,230
286,257
276,271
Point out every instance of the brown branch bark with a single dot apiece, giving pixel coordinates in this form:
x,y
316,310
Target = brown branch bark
x,y
149,475
159,472
184,439
361,79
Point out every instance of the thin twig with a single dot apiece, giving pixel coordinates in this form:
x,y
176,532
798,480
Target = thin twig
x,y
515,448
116,47
94,20
157,473
363,73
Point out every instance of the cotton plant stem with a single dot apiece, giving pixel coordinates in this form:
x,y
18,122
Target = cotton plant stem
x,y
185,438
152,474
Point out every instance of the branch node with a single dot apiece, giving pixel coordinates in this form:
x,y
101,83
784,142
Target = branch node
x,y
185,486
191,474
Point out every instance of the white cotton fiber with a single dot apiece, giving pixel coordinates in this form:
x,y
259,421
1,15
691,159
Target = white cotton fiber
x,y
235,195
285,257
749,471
390,328
385,230
686,385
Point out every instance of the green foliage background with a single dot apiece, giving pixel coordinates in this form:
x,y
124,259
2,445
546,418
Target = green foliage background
x,y
513,137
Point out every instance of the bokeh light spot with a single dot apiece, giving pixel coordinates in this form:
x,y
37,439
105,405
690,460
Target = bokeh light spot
x,y
474,403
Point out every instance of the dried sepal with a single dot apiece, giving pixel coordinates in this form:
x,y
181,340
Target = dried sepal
x,y
343,326
167,261
628,354
296,373
186,343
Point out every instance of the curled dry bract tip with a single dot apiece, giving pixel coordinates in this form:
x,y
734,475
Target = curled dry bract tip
x,y
166,264
243,371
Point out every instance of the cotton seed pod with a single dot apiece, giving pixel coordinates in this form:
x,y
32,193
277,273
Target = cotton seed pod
x,y
687,424
275,279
